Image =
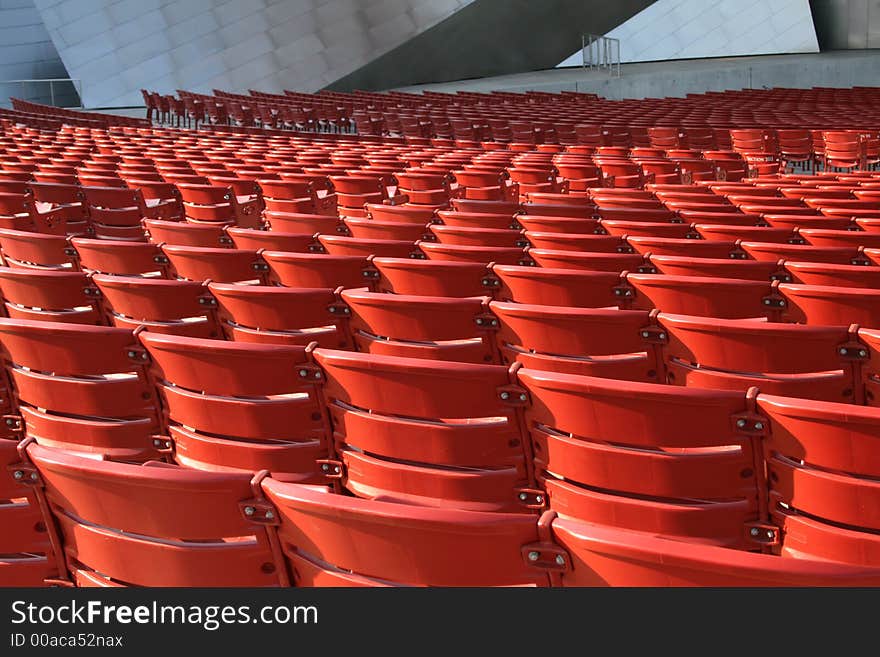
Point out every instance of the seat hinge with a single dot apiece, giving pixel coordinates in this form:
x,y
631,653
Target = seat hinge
x,y
750,423
654,334
486,321
624,290
852,350
13,423
490,281
163,444
309,372
546,556
24,473
762,533
370,273
513,395
339,308
531,498
259,511
331,468
773,300
136,354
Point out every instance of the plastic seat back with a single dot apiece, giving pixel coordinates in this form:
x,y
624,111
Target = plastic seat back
x,y
589,341
561,287
339,541
239,406
220,265
82,388
315,270
431,434
822,473
436,278
27,250
121,258
160,306
706,296
283,315
138,533
735,354
436,328
183,233
52,296
595,440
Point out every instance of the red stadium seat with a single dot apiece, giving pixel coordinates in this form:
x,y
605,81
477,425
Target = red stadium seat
x,y
237,406
820,460
420,445
592,341
436,328
314,270
82,388
644,457
120,257
337,541
219,265
561,287
283,315
813,362
704,296
160,306
137,533
51,296
24,250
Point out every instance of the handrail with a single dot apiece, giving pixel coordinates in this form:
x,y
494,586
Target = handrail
x,y
601,52
76,82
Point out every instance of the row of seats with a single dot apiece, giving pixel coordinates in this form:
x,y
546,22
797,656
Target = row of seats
x,y
555,317
58,293
536,117
454,450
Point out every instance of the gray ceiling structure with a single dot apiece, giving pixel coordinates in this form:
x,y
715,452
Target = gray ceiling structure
x,y
847,24
493,37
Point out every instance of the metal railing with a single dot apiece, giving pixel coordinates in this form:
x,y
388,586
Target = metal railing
x,y
601,53
60,92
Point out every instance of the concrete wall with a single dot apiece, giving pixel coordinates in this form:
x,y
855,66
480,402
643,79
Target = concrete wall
x,y
27,53
678,78
271,45
685,29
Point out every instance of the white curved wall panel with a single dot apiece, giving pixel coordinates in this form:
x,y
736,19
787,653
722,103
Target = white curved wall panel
x,y
117,48
686,29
